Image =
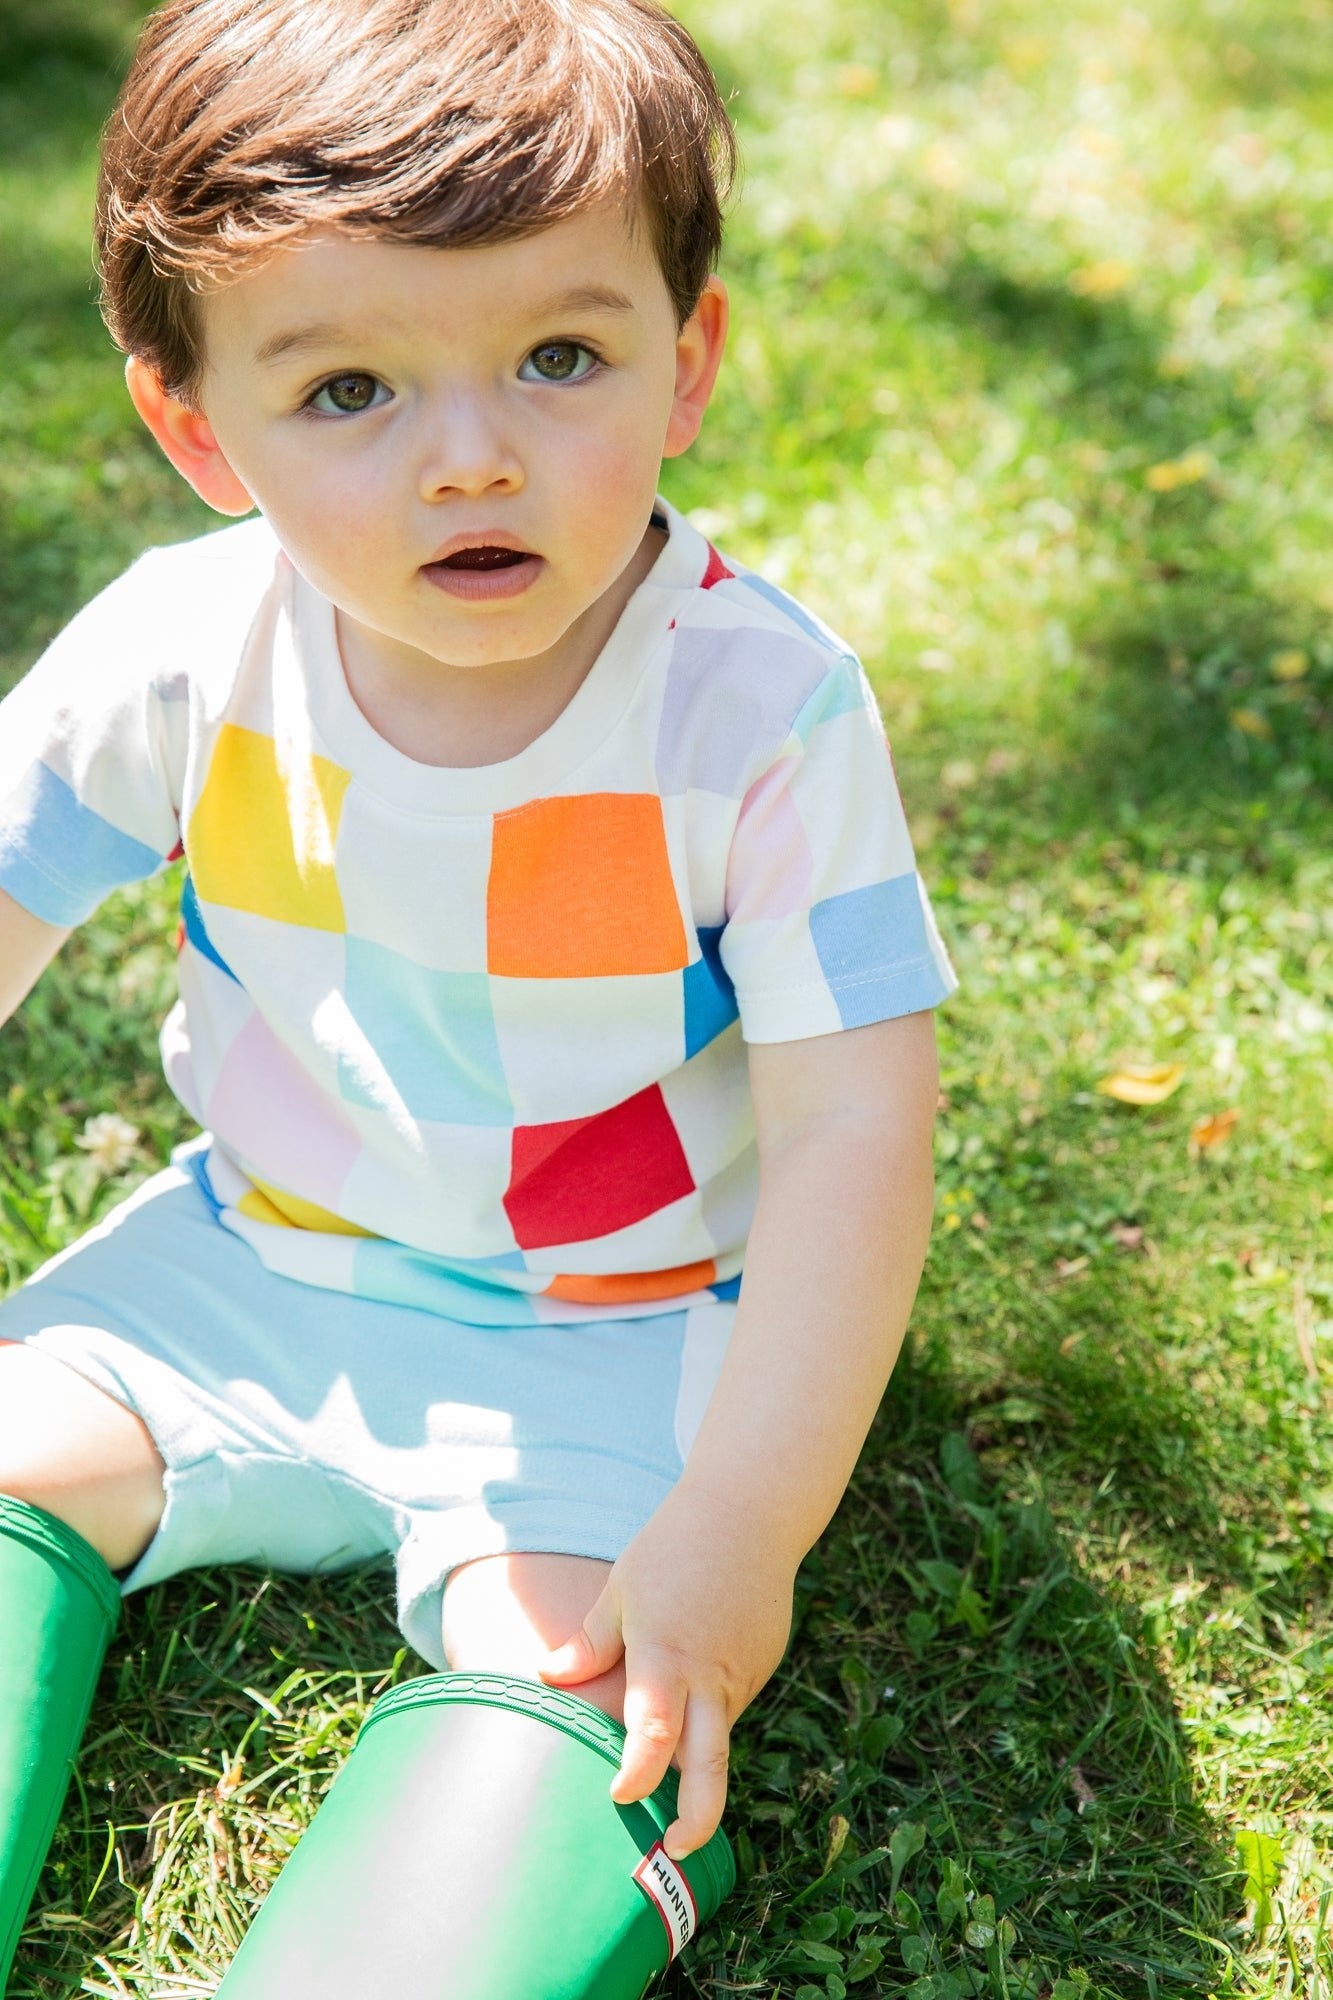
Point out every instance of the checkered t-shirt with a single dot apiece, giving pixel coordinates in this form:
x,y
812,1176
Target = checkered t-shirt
x,y
473,1040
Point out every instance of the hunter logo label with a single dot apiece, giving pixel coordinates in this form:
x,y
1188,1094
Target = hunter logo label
x,y
658,1876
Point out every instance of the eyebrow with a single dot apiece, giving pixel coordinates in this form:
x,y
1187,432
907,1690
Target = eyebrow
x,y
329,333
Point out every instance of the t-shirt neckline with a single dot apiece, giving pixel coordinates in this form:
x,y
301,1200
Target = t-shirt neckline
x,y
586,720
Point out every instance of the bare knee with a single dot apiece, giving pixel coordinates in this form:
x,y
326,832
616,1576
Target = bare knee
x,y
503,1614
72,1450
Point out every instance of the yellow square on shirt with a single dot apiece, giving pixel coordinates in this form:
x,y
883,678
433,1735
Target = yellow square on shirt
x,y
263,835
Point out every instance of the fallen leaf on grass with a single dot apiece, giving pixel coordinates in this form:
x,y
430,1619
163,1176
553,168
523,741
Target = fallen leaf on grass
x,y
1101,281
942,166
1251,723
1026,52
1188,470
1069,1267
857,80
1291,664
1210,1134
838,1830
1082,1790
1143,1083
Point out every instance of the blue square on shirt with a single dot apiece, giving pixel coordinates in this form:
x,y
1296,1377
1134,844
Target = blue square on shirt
x,y
432,1032
710,997
875,953
58,857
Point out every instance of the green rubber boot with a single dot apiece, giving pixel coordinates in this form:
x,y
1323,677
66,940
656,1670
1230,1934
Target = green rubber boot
x,y
58,1608
470,1851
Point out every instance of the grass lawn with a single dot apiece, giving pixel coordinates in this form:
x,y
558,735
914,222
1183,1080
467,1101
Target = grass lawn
x,y
1030,395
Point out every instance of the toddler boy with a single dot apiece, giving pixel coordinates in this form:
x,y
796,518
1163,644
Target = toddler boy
x,y
551,941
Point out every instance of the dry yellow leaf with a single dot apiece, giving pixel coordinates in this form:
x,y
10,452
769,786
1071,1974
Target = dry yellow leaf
x,y
1143,1083
1173,472
1101,281
942,166
1292,664
1251,723
1026,52
1208,1134
858,80
838,1830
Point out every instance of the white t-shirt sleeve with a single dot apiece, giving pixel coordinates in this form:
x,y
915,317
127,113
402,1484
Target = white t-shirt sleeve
x,y
91,753
828,923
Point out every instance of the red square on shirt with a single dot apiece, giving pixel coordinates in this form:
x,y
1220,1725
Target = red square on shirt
x,y
586,1177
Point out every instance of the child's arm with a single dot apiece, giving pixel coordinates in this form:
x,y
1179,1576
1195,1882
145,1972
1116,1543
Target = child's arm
x,y
700,1602
27,946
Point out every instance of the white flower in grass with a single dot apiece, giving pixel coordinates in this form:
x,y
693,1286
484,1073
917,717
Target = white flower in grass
x,y
110,1140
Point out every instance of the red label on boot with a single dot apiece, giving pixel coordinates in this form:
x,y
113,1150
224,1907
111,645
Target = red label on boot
x,y
660,1879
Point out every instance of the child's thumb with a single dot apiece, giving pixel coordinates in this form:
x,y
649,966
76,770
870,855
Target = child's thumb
x,y
594,1649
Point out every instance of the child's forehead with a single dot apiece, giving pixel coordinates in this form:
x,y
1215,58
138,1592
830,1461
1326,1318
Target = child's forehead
x,y
316,292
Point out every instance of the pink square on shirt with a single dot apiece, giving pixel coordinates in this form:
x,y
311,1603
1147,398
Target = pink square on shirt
x,y
770,870
586,1177
271,1114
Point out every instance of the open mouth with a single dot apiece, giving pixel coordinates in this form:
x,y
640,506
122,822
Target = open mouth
x,y
480,572
485,557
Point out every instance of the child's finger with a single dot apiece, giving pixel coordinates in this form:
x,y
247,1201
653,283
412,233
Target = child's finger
x,y
594,1649
654,1714
703,1758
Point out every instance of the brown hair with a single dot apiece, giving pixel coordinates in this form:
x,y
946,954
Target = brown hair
x,y
245,124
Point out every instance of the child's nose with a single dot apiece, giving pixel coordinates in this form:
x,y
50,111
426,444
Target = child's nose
x,y
467,450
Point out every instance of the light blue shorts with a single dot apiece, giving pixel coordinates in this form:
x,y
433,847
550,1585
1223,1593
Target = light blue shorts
x,y
306,1430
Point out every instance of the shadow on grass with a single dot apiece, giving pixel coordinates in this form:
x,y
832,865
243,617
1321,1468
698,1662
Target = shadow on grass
x,y
1169,707
1174,711
990,1694
1169,671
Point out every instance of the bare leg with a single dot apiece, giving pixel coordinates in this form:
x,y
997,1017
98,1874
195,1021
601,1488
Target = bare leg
x,y
503,1613
69,1448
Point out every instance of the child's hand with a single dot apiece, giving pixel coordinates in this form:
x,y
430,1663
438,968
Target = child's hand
x,y
701,1612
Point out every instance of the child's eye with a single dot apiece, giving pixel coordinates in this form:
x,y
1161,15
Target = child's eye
x,y
558,361
347,395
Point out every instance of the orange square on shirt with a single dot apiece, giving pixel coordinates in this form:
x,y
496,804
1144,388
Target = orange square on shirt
x,y
581,888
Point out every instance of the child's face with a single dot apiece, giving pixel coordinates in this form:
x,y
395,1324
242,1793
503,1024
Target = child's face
x,y
459,448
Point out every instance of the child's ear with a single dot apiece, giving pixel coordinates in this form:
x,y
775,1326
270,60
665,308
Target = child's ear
x,y
188,441
698,358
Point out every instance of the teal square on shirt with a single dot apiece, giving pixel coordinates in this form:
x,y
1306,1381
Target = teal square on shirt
x,y
434,1034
